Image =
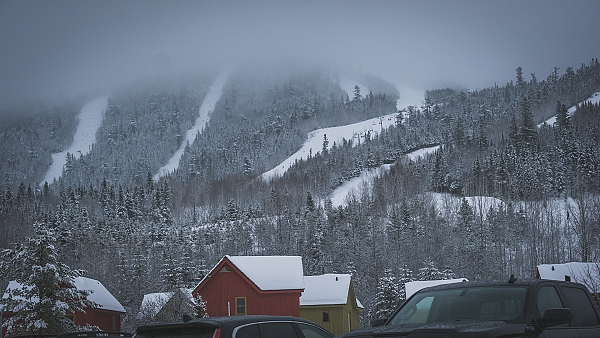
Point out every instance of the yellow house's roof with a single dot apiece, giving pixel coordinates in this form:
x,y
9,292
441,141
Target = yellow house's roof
x,y
328,289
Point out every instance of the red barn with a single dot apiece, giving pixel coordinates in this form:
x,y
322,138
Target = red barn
x,y
253,285
107,316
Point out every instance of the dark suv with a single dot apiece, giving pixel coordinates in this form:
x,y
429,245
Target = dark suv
x,y
527,308
236,327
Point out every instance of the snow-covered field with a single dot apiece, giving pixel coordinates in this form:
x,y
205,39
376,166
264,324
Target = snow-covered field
x,y
207,107
90,119
595,98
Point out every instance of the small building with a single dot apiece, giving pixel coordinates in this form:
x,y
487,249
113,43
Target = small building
x,y
107,316
253,285
329,301
166,306
587,274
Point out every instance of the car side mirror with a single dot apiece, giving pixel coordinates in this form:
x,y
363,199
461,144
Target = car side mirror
x,y
378,322
554,317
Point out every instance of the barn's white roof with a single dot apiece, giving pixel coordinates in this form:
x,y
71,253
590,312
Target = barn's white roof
x,y
328,289
270,272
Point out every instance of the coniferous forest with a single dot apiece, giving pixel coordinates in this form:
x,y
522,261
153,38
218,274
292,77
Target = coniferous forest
x,y
503,193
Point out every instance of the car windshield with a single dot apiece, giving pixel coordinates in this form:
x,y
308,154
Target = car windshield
x,y
477,304
180,332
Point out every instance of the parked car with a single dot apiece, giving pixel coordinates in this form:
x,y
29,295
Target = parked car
x,y
518,308
236,327
79,334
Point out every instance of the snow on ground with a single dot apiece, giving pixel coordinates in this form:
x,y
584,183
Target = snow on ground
x,y
207,107
595,98
480,204
338,196
409,96
352,132
355,132
90,119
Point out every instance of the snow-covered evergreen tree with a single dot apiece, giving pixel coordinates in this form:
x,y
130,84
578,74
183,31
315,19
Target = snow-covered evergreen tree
x,y
429,271
406,275
45,291
200,306
387,294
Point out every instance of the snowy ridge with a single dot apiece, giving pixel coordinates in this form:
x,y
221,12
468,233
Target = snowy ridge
x,y
595,98
207,107
90,119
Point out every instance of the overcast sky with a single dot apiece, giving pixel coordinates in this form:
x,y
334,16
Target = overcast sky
x,y
56,48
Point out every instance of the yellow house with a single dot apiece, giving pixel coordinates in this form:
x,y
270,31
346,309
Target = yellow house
x,y
329,301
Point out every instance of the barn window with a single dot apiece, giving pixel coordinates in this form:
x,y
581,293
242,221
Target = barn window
x,y
225,269
240,306
114,323
325,316
71,317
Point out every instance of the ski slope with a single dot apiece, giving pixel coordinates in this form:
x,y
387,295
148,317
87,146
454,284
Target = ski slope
x,y
354,185
207,107
595,98
353,132
90,119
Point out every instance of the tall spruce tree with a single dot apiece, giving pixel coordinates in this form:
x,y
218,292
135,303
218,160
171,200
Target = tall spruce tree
x,y
387,294
43,289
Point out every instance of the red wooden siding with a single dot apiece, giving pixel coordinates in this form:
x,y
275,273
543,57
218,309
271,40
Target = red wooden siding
x,y
101,318
222,287
104,319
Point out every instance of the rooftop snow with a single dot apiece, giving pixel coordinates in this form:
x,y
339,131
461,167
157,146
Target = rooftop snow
x,y
328,289
99,295
271,272
585,273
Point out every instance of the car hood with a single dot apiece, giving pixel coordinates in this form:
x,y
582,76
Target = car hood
x,y
441,330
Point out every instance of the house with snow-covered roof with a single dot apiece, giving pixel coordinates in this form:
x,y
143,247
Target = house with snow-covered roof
x,y
107,314
329,301
166,306
253,285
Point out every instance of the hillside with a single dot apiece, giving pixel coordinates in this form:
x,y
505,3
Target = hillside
x,y
479,205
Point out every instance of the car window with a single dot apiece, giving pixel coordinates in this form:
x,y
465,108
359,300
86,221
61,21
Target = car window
x,y
548,298
463,304
582,307
310,331
277,330
248,331
416,313
180,332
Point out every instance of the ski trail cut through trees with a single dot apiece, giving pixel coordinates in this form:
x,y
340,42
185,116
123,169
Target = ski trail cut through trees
x,y
90,120
207,107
